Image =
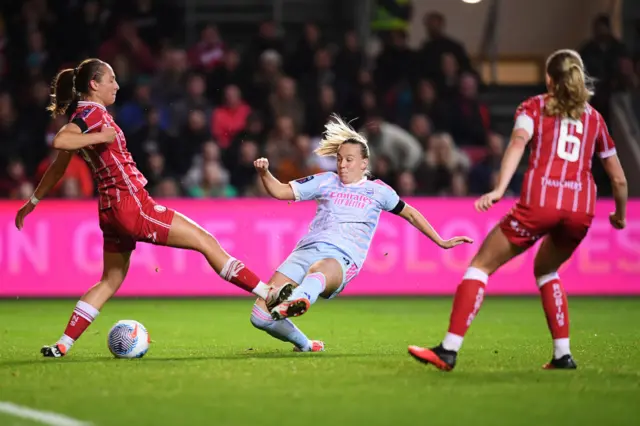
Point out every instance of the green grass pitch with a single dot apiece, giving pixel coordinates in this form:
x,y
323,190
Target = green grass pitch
x,y
209,366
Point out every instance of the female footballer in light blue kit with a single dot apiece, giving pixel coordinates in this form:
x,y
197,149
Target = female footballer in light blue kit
x,y
335,248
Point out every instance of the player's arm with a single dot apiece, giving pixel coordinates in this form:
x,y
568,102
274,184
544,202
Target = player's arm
x,y
72,137
415,218
615,172
51,177
54,173
275,188
512,157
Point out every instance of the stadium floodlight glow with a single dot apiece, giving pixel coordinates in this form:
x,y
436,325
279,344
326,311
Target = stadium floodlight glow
x,y
471,1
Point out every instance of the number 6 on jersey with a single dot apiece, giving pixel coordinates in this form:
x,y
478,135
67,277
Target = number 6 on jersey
x,y
569,145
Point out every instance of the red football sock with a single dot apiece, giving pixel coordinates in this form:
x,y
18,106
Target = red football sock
x,y
236,273
556,308
81,318
466,304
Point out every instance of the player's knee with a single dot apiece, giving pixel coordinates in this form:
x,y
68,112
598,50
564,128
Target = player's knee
x,y
260,320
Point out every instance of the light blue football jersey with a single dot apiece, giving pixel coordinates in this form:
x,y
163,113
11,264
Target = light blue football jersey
x,y
347,214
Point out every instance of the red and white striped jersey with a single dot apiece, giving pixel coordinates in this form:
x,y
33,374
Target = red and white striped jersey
x,y
559,173
114,170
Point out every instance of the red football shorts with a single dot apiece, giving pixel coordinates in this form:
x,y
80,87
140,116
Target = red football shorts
x,y
136,217
524,225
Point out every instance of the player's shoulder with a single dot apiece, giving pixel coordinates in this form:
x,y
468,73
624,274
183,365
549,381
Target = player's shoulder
x,y
379,187
88,111
320,177
531,106
592,114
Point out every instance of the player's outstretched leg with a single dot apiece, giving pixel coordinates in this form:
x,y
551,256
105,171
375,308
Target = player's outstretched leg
x,y
88,307
324,277
284,329
495,251
549,259
185,233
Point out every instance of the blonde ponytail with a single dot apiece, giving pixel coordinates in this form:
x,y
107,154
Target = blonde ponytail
x,y
571,87
338,132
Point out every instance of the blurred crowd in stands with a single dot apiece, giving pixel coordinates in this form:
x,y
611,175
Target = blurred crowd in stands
x,y
196,116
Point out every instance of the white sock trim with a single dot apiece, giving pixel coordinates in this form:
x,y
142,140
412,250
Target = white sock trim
x,y
226,269
86,311
561,347
476,274
542,280
452,342
261,290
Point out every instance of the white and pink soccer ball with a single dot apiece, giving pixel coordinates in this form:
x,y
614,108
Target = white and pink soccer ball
x,y
128,339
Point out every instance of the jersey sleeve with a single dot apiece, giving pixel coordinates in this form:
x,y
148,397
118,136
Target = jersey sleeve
x,y
389,198
307,188
605,147
525,116
89,120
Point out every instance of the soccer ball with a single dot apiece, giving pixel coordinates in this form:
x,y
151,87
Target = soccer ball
x,y
128,339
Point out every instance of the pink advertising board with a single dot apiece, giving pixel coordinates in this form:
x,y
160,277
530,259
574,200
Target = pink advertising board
x,y
59,253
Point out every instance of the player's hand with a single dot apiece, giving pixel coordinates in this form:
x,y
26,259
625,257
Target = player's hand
x,y
455,241
22,213
617,221
108,134
261,165
485,202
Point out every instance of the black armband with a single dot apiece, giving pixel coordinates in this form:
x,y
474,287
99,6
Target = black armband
x,y
399,207
80,123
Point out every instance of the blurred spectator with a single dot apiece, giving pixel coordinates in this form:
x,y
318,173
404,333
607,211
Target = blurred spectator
x,y
266,39
149,138
350,59
394,62
406,186
243,174
167,188
280,141
14,135
13,179
381,169
209,153
147,16
420,129
266,79
441,161
195,99
303,57
403,150
285,102
208,52
320,110
155,170
468,117
127,43
132,115
168,84
601,55
229,119
39,61
193,135
321,74
299,163
230,72
214,183
437,45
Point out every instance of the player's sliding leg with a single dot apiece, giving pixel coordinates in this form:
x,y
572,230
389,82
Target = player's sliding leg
x,y
88,307
185,233
549,258
324,277
284,329
495,251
